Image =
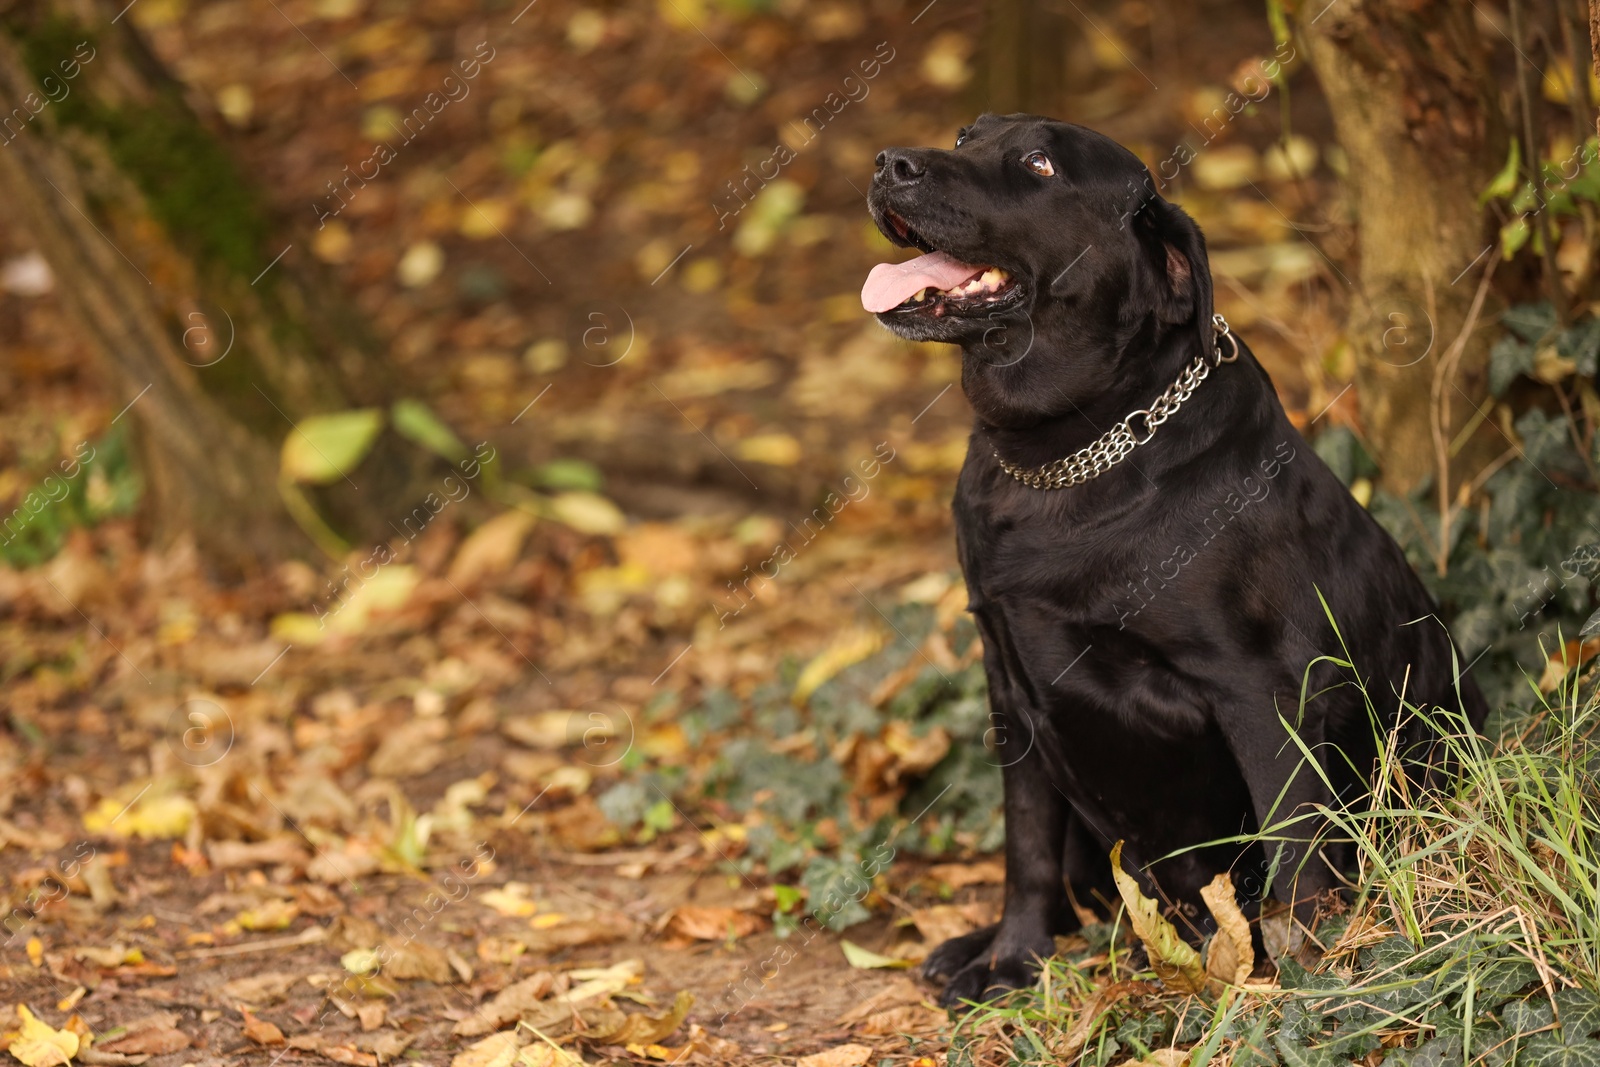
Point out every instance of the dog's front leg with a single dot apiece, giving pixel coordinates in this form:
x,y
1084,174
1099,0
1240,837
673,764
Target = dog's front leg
x,y
996,959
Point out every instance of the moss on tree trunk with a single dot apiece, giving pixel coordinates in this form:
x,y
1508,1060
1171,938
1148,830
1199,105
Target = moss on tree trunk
x,y
159,246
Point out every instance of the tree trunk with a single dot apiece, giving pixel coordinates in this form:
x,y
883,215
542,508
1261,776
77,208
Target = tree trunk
x,y
161,249
1419,118
1025,58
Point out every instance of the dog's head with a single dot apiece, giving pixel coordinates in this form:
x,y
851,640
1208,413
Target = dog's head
x,y
1049,258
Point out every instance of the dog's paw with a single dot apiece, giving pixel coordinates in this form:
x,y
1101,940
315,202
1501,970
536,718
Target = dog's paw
x,y
986,964
952,956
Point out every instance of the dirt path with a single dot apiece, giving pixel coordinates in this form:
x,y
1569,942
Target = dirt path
x,y
167,956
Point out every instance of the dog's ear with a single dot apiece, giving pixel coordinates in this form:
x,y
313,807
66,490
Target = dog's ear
x,y
1179,248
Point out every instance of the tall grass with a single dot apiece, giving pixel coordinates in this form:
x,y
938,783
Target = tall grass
x,y
1470,936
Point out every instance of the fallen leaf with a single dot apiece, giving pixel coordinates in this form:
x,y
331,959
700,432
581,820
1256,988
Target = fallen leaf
x,y
496,1050
510,900
1231,956
838,1056
41,1045
641,1028
898,993
156,1041
491,549
507,1005
270,915
1173,959
260,1031
693,923
149,817
231,855
544,1054
345,1054
260,989
849,649
906,1019
866,959
961,875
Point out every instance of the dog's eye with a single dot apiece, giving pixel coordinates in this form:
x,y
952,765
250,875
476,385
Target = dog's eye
x,y
1039,163
962,136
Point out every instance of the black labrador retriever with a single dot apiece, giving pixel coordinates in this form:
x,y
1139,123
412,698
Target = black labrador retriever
x,y
1166,577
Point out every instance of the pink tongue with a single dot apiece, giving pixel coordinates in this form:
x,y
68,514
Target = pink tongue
x,y
892,284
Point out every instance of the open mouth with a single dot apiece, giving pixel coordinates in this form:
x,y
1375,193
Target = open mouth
x,y
935,283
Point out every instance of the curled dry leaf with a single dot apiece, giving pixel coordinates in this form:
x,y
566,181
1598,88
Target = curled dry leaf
x,y
838,1056
1231,956
642,1028
1171,957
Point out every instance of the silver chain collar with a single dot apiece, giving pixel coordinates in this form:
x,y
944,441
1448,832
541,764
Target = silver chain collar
x,y
1113,446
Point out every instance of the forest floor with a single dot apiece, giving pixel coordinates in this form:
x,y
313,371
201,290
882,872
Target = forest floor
x,y
216,817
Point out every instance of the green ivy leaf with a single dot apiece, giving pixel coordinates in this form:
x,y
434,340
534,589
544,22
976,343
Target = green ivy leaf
x,y
1529,321
1578,1009
324,448
1548,1050
1294,1054
1508,359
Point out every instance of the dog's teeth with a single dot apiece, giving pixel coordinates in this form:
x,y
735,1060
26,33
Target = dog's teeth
x,y
993,278
920,294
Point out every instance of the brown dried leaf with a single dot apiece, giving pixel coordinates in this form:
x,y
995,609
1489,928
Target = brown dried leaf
x,y
641,1028
156,1041
907,1019
507,1006
260,1031
1232,955
496,1050
230,855
838,1056
260,989
960,875
694,923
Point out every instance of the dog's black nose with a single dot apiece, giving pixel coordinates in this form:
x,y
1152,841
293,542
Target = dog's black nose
x,y
899,166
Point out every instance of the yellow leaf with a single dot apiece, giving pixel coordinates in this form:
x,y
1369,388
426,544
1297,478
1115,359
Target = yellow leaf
x,y
851,648
1172,958
511,901
773,449
1231,956
362,960
587,512
271,915
150,818
867,959
387,590
297,628
324,448
40,1044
